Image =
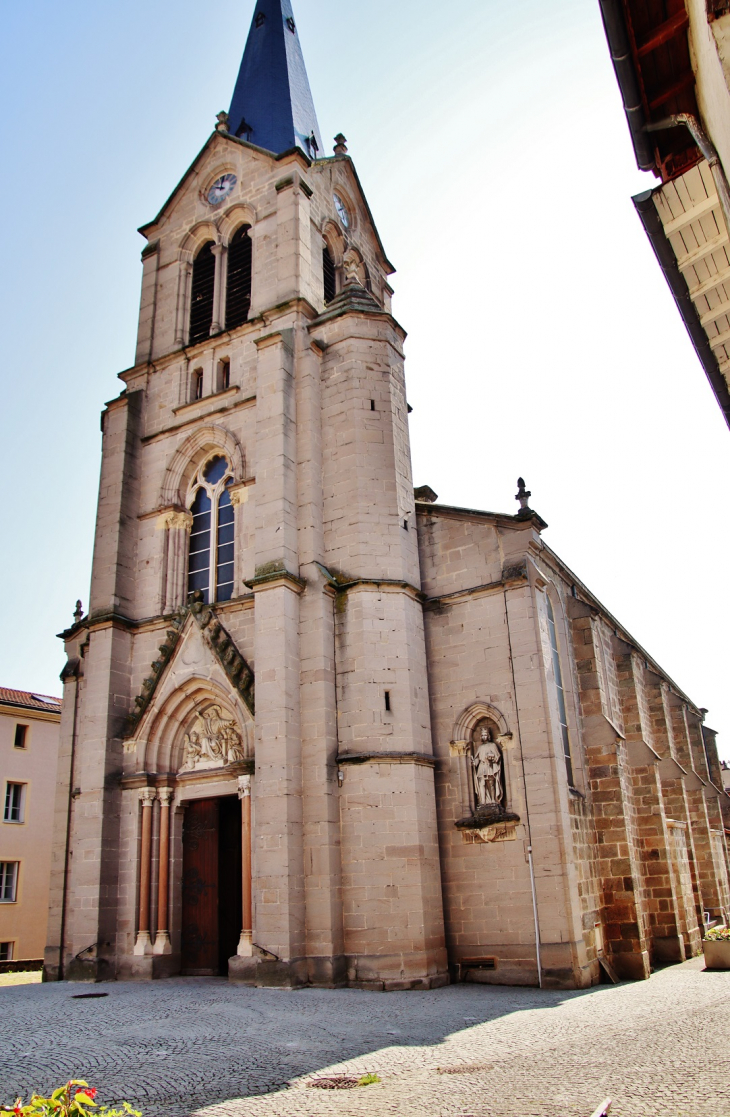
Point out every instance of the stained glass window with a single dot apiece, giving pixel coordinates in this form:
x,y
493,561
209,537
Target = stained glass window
x,y
212,545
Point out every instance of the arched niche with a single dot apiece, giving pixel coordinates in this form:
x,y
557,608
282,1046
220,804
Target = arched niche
x,y
465,746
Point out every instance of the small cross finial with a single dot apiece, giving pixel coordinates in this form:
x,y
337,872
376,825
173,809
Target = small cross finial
x,y
222,125
78,612
340,144
524,498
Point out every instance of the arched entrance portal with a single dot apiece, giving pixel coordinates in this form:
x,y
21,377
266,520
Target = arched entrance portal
x,y
211,885
193,823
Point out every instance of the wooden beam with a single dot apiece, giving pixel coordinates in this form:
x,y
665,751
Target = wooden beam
x,y
664,32
700,253
713,315
673,91
691,215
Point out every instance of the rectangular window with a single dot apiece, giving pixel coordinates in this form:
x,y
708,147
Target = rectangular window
x,y
6,951
8,881
21,737
14,802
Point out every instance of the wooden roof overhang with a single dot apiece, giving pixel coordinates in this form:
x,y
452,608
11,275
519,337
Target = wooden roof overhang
x,y
651,56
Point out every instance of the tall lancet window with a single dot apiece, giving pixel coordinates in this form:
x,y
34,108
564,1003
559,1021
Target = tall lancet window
x,y
328,269
210,559
238,290
201,301
558,675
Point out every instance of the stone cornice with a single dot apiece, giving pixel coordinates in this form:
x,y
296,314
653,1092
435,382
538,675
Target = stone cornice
x,y
131,781
387,758
273,579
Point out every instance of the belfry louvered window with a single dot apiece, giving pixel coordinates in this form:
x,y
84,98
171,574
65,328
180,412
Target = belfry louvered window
x,y
330,280
211,553
560,693
203,290
238,291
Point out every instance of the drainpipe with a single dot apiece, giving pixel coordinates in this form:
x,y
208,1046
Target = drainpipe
x,y
708,149
75,669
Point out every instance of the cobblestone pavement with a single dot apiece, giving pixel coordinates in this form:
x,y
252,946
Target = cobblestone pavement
x,y
188,1046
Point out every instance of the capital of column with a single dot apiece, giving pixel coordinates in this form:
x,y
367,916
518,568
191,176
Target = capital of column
x,y
177,520
166,794
244,787
458,748
147,796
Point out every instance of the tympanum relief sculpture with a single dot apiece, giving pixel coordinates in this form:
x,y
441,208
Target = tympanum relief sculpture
x,y
212,741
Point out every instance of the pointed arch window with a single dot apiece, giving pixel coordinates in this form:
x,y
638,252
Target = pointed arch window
x,y
238,290
202,294
211,554
560,692
330,275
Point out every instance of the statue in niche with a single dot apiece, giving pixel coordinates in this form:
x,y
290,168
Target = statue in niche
x,y
212,741
486,759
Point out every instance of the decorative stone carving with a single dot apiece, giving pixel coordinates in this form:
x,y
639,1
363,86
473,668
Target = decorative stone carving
x,y
490,821
217,639
212,741
487,767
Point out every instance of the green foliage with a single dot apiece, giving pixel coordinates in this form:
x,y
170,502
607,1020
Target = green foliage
x,y
718,934
75,1099
368,1080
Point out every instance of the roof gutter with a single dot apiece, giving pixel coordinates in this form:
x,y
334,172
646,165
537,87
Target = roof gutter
x,y
664,253
617,36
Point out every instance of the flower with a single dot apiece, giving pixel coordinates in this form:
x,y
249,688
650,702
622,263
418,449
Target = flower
x,y
718,934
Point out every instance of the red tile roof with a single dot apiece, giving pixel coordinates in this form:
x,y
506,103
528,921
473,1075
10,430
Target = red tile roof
x,y
29,700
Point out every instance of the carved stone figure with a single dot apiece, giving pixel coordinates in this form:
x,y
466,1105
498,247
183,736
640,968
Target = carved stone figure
x,y
486,762
212,741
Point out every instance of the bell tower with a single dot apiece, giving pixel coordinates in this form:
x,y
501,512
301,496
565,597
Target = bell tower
x,y
255,625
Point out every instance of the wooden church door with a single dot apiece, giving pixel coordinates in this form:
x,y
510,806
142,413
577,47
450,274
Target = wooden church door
x,y
211,886
200,888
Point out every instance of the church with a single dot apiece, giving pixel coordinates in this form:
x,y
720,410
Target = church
x,y
318,728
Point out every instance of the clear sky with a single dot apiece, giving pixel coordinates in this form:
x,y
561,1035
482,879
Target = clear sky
x,y
542,338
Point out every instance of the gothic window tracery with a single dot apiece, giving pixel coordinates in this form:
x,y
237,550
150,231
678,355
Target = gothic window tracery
x,y
211,552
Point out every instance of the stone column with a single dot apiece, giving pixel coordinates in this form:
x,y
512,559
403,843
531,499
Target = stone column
x,y
460,750
177,526
143,944
220,253
245,945
181,310
162,938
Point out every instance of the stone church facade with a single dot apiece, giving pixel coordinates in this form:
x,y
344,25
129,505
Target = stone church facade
x,y
319,728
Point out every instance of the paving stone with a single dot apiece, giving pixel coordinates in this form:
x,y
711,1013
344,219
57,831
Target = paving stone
x,y
186,1046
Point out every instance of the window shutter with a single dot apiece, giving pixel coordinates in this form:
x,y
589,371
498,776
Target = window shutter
x,y
328,268
201,307
238,293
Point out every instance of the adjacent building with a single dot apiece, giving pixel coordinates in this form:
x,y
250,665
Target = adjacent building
x,y
672,62
319,728
29,726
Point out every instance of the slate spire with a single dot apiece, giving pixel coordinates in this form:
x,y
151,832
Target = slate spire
x,y
272,103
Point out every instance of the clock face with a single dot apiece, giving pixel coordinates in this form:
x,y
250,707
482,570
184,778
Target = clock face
x,y
341,210
220,189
